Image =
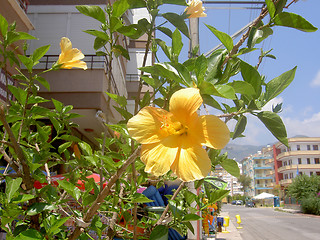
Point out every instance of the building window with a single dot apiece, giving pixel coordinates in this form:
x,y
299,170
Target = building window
x,y
299,160
291,175
316,161
308,147
315,147
285,163
290,162
308,160
298,147
311,173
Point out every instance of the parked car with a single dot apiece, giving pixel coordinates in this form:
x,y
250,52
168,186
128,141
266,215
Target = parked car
x,y
239,202
234,202
250,204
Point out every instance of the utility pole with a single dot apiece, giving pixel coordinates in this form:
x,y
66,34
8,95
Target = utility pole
x,y
194,35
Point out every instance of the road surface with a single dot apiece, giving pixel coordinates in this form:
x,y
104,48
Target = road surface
x,y
267,224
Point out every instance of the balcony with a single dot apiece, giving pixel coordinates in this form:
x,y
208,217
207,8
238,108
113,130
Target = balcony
x,y
297,153
300,167
262,186
132,84
285,182
261,166
259,176
85,91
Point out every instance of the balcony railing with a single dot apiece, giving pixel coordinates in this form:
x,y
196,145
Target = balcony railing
x,y
93,62
261,166
24,4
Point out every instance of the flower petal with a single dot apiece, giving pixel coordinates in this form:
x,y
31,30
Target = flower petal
x,y
158,157
145,127
215,132
77,64
65,44
184,103
192,163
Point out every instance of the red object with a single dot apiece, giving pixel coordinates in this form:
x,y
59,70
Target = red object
x,y
80,183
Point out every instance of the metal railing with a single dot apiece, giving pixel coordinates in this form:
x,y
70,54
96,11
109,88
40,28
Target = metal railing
x,y
24,4
92,61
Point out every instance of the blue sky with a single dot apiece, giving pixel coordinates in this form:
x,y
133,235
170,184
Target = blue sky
x,y
301,110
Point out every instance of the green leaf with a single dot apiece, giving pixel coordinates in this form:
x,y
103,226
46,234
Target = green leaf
x,y
215,61
207,99
70,188
243,87
127,115
19,93
160,232
177,21
121,100
3,26
176,43
115,24
183,73
201,66
92,11
271,8
224,38
275,125
191,217
119,8
27,62
231,167
254,35
97,33
57,104
30,234
167,50
43,81
280,4
218,195
224,91
132,31
240,127
99,43
16,36
166,31
119,50
252,76
266,32
278,84
57,224
293,20
39,53
23,198
176,2
86,148
64,146
12,187
140,198
39,207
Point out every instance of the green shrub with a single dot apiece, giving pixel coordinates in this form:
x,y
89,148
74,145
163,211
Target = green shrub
x,y
311,205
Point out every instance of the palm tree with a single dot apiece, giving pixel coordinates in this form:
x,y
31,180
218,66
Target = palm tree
x,y
245,182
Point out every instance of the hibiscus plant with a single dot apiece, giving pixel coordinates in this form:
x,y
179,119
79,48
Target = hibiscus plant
x,y
165,139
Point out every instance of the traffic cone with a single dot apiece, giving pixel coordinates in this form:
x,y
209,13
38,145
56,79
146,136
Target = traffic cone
x,y
226,224
238,221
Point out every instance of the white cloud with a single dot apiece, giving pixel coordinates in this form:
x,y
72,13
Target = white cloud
x,y
316,80
272,102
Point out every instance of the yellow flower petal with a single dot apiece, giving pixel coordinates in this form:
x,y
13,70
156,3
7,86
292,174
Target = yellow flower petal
x,y
65,44
77,64
145,127
184,103
215,131
195,9
70,57
192,163
158,157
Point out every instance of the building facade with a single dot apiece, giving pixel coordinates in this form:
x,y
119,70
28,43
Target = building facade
x,y
301,157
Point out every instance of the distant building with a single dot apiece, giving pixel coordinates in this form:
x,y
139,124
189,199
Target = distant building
x,y
301,157
232,182
256,167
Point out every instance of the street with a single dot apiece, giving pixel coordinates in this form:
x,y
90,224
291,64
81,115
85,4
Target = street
x,y
267,224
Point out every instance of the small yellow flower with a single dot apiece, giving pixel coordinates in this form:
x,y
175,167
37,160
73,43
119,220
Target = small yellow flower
x,y
70,57
173,140
195,9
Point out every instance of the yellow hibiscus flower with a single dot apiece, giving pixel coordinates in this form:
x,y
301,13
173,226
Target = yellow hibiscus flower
x,y
70,57
195,9
174,140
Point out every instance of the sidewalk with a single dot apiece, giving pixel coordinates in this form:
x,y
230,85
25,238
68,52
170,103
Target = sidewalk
x,y
233,234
